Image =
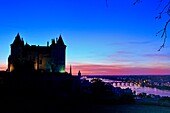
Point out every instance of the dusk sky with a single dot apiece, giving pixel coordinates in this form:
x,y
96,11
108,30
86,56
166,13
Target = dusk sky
x,y
118,39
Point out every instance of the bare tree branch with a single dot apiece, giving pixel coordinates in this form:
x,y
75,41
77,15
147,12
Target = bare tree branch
x,y
163,10
137,1
164,34
166,9
168,12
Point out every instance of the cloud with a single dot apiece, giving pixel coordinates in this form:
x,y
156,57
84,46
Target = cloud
x,y
122,60
103,69
140,42
117,44
131,43
119,53
120,57
123,52
160,56
93,68
3,67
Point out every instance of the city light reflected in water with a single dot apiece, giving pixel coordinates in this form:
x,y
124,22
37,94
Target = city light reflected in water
x,y
135,87
138,89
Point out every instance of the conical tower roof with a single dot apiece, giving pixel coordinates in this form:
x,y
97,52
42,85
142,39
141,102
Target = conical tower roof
x,y
60,41
18,40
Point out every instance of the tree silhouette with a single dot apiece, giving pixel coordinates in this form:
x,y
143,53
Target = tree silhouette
x,y
98,87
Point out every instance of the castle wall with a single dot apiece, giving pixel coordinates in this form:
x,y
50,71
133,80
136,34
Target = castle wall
x,y
44,62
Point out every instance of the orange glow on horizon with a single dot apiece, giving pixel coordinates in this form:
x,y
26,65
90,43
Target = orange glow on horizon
x,y
101,69
96,69
3,67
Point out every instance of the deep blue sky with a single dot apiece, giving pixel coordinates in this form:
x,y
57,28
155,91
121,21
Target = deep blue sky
x,y
121,36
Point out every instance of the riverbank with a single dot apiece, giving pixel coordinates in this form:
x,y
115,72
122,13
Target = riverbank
x,y
157,85
152,100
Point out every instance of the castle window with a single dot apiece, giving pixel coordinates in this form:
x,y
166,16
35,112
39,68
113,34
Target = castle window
x,y
40,62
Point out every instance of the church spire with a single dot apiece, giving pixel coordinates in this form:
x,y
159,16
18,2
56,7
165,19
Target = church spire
x,y
79,74
70,70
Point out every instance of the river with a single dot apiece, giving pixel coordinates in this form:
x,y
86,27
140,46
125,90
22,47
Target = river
x,y
137,88
146,90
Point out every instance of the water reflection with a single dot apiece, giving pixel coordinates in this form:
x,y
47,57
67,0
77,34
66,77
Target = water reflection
x,y
136,87
139,89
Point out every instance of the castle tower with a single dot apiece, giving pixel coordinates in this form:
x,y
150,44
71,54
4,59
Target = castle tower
x,y
16,52
17,46
58,55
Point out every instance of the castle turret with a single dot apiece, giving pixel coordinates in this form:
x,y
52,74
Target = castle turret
x,y
16,46
18,40
58,55
16,52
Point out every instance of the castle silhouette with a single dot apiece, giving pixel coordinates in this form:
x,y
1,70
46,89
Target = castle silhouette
x,y
50,58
